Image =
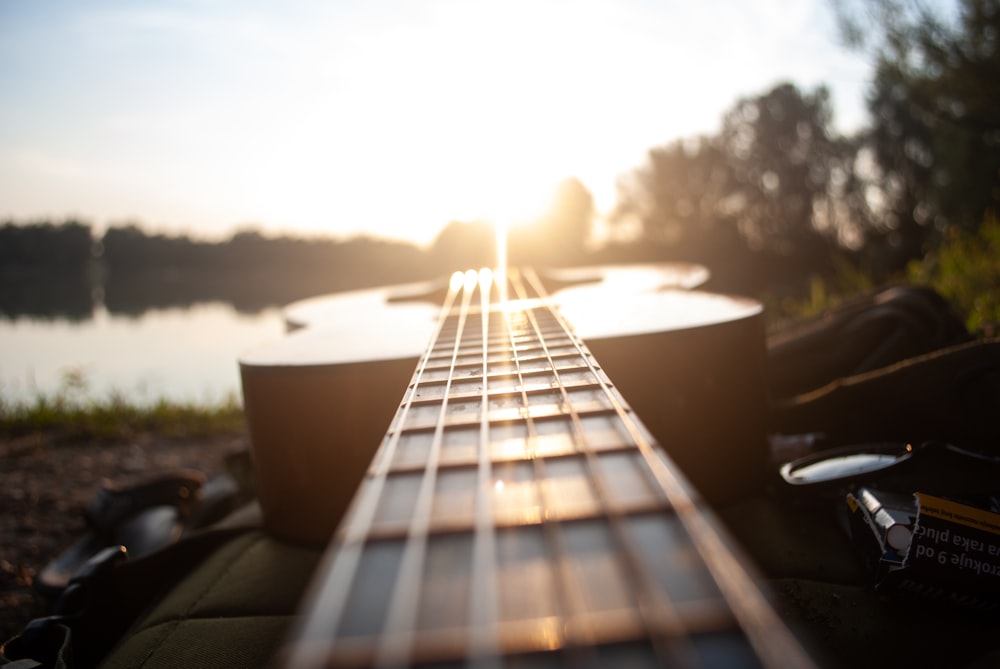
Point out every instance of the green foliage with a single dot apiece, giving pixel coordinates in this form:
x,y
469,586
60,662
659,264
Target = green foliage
x,y
73,413
965,269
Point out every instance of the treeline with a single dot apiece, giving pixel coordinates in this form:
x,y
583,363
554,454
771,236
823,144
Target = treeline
x,y
72,246
58,247
63,270
129,249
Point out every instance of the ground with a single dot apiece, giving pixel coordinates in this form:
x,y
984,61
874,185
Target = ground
x,y
45,483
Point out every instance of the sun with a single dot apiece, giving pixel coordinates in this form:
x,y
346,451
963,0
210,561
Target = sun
x,y
448,117
460,112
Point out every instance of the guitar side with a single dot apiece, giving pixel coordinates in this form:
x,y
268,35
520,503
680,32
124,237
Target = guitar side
x,y
318,401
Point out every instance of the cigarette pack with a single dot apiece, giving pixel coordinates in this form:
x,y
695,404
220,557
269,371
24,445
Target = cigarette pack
x,y
928,547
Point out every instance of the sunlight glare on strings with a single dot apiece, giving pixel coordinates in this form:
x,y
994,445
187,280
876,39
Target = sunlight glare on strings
x,y
471,278
485,279
500,226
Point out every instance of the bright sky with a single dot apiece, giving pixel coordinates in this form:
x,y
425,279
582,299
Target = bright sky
x,y
390,118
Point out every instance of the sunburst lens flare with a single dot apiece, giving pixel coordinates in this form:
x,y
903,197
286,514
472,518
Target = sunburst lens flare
x,y
485,278
471,279
500,226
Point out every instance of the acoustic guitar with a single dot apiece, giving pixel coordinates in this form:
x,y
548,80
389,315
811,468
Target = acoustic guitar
x,y
517,512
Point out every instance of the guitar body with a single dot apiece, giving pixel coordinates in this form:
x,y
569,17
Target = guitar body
x,y
319,400
516,510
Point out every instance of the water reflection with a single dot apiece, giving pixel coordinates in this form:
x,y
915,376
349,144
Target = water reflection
x,y
246,292
72,297
183,354
144,333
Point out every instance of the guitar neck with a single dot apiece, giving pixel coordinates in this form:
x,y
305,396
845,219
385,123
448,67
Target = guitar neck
x,y
517,510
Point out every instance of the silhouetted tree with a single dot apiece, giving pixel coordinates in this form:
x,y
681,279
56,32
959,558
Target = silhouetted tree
x,y
128,248
463,245
775,181
65,247
251,270
45,270
678,199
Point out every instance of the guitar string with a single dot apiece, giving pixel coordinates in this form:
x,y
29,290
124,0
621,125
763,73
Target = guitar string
x,y
562,594
661,621
318,634
552,537
485,419
770,638
579,653
483,595
394,646
482,633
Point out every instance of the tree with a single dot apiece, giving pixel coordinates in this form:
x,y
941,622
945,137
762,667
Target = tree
x,y
677,198
783,162
65,247
935,137
774,180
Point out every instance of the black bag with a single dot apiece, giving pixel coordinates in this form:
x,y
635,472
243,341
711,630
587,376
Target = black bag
x,y
864,333
895,365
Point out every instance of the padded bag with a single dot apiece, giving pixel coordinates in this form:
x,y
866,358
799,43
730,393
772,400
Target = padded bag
x,y
949,395
862,334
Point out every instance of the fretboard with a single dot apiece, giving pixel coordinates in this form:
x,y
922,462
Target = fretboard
x,y
518,511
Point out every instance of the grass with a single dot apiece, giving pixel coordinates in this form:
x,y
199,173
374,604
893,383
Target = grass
x,y
964,270
73,412
76,415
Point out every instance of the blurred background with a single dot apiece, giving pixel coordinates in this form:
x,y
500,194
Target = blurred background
x,y
172,173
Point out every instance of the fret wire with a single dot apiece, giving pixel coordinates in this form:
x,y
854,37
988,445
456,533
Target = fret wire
x,y
473,422
664,626
568,516
395,641
565,594
524,392
772,642
764,630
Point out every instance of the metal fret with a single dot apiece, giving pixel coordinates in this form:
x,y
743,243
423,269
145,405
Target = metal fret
x,y
517,509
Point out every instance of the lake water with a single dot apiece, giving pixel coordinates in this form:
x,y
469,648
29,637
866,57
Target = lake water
x,y
183,354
